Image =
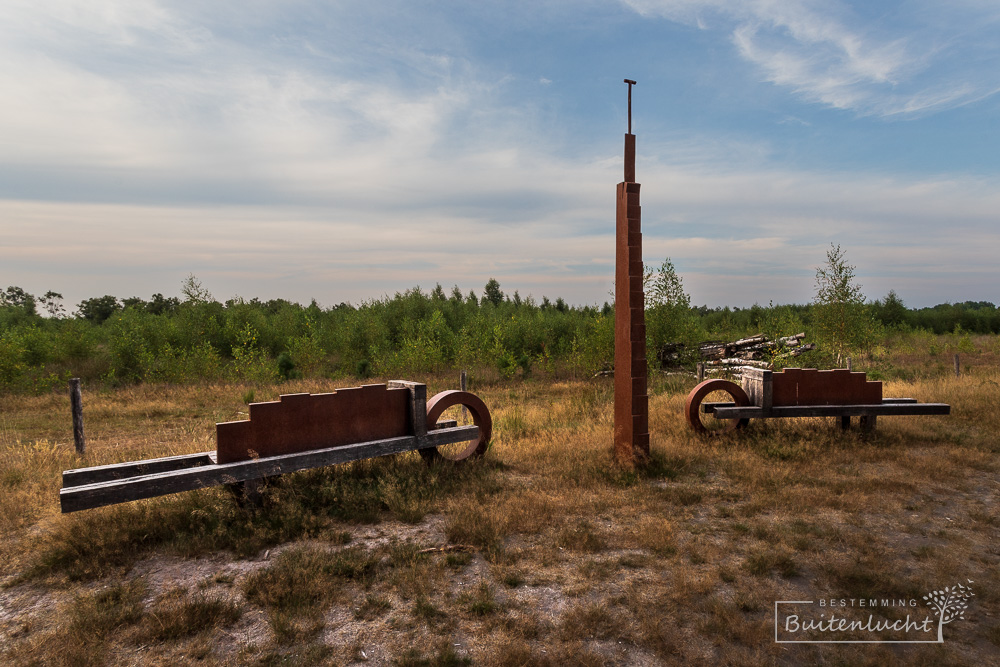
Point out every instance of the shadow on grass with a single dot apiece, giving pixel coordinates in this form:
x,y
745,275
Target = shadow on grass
x,y
92,544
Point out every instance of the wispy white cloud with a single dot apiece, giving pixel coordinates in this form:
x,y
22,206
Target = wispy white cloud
x,y
921,59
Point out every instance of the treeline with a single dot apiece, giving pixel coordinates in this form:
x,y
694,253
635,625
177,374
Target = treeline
x,y
197,338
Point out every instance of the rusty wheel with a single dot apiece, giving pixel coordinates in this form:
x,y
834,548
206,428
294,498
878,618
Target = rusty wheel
x,y
714,391
449,404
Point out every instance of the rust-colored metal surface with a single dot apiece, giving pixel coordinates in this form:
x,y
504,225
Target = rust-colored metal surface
x,y
300,422
692,407
480,417
631,400
808,386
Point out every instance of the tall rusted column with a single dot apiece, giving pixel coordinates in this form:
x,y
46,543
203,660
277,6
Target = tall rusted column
x,y
631,400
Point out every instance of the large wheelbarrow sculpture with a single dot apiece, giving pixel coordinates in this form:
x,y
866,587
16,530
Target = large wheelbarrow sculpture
x,y
796,392
299,432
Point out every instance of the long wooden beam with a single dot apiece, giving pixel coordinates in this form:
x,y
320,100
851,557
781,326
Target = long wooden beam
x,y
115,471
710,408
884,409
138,486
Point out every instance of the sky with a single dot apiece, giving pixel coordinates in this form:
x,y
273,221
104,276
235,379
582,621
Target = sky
x,y
343,151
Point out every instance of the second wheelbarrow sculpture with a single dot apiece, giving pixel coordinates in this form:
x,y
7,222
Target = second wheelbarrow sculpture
x,y
299,432
798,392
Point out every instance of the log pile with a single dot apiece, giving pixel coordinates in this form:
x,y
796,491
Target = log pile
x,y
721,357
756,351
756,348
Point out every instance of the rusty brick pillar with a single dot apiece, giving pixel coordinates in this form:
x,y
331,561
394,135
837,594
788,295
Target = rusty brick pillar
x,y
631,400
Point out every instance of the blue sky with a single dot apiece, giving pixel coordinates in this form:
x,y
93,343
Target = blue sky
x,y
342,151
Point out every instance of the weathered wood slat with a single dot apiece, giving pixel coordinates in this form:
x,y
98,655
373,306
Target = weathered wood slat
x,y
114,471
890,409
98,494
709,408
418,404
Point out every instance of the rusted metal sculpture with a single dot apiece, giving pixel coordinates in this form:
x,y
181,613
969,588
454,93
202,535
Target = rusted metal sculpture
x,y
298,432
799,392
631,400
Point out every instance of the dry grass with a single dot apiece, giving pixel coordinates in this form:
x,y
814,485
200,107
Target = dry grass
x,y
566,559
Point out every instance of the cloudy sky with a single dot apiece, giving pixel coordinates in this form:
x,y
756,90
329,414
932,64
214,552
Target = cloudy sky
x,y
350,149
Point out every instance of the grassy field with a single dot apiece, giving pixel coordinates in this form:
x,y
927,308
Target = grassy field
x,y
544,553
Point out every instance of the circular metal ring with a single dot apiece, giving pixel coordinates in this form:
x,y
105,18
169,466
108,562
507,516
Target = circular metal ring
x,y
692,407
480,417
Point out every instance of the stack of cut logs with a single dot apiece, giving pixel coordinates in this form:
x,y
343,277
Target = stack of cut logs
x,y
758,351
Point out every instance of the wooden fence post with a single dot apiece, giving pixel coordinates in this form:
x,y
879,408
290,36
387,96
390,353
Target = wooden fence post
x,y
76,405
850,366
701,371
958,368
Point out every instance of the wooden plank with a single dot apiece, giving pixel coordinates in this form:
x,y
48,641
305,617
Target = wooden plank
x,y
758,385
418,405
891,409
111,492
114,471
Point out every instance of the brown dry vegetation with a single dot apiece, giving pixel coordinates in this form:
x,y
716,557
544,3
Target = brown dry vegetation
x,y
549,554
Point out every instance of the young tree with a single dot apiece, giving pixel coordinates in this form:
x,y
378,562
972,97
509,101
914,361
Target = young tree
x,y
843,321
52,302
17,297
492,292
193,291
670,323
891,310
98,309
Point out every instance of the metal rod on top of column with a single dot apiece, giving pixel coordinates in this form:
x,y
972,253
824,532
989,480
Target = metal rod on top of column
x,y
630,140
630,83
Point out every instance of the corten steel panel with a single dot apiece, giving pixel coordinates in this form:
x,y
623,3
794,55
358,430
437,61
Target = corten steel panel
x,y
808,386
784,387
837,387
631,402
301,422
872,393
